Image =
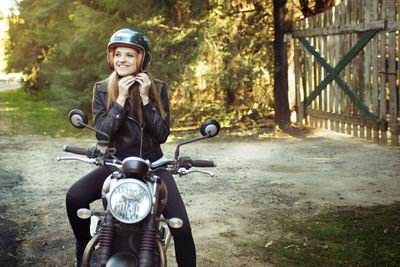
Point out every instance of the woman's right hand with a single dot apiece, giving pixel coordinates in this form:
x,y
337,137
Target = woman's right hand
x,y
123,88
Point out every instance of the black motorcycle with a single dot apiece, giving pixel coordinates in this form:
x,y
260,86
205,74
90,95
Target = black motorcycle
x,y
131,230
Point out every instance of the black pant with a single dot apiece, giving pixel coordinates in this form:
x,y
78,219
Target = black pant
x,y
88,189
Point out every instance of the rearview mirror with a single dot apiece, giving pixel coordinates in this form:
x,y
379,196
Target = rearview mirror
x,y
78,118
210,128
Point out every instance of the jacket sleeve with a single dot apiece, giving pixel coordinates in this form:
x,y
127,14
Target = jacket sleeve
x,y
107,123
158,128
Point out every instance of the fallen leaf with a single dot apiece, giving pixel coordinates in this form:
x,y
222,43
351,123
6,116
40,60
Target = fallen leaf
x,y
315,256
291,246
305,240
269,243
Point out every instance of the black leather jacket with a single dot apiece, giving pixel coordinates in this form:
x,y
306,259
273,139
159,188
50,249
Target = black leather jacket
x,y
124,129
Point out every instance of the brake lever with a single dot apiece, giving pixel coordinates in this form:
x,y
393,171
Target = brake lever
x,y
183,171
76,158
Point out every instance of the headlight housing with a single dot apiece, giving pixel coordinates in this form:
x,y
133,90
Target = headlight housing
x,y
130,201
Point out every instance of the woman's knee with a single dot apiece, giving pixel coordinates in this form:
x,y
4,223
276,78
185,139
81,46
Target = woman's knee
x,y
73,197
184,232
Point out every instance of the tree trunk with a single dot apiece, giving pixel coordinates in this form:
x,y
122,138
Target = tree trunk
x,y
281,101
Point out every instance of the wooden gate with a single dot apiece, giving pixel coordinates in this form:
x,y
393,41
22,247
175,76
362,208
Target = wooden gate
x,y
347,71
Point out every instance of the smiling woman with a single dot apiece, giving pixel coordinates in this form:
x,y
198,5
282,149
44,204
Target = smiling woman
x,y
132,108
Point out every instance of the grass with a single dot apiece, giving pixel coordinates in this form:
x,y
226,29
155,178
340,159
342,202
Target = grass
x,y
22,114
361,236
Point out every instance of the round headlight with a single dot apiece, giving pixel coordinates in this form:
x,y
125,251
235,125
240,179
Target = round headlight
x,y
130,201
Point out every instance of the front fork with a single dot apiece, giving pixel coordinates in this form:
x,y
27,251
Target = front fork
x,y
161,246
106,239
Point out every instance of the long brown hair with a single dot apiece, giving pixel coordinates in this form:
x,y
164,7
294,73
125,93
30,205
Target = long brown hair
x,y
135,100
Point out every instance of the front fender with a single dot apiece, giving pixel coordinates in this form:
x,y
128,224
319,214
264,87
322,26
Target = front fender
x,y
122,259
88,251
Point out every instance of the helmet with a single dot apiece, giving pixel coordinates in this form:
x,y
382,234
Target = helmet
x,y
134,39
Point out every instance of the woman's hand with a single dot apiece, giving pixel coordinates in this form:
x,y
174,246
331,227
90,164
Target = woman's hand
x,y
144,86
123,88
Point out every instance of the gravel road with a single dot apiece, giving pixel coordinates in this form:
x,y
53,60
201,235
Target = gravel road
x,y
255,181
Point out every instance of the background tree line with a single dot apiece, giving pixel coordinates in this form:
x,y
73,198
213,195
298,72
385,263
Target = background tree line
x,y
216,56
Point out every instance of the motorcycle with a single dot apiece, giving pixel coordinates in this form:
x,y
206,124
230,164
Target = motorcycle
x,y
131,230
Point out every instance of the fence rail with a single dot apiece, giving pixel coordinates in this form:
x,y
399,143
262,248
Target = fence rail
x,y
346,65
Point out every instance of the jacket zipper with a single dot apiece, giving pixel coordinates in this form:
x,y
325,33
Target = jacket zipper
x,y
141,134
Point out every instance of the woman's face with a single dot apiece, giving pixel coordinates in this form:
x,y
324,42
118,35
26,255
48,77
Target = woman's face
x,y
125,61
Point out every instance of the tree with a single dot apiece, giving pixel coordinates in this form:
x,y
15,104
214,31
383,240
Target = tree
x,y
281,103
283,18
311,8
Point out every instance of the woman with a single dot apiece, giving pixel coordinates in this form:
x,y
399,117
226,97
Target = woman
x,y
132,108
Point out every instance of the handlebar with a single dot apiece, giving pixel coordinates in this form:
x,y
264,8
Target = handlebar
x,y
187,162
97,157
91,152
203,163
76,150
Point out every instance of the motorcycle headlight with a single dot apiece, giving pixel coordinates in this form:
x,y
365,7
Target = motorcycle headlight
x,y
130,201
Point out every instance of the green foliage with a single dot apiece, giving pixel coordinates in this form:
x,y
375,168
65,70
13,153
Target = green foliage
x,y
349,237
24,54
215,55
23,114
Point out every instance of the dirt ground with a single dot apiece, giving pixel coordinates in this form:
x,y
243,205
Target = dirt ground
x,y
255,182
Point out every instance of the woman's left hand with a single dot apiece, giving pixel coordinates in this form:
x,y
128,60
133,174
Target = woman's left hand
x,y
144,86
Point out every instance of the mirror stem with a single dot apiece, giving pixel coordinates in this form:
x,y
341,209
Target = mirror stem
x,y
94,129
187,142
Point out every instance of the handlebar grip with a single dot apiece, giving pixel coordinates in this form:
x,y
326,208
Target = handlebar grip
x,y
76,150
203,163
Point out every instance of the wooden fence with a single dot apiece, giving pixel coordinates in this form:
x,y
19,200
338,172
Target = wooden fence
x,y
346,65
